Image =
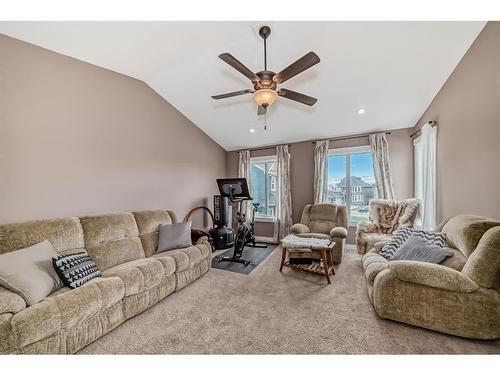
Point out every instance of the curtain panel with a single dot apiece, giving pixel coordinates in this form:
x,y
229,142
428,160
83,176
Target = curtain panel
x,y
284,196
244,172
321,171
427,176
381,166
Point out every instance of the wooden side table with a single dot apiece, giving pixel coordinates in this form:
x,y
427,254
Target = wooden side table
x,y
326,258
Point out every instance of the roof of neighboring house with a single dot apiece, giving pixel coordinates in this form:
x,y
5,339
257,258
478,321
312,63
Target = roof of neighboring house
x,y
355,181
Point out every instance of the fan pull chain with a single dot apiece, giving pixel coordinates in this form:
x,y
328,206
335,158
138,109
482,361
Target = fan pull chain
x,y
265,121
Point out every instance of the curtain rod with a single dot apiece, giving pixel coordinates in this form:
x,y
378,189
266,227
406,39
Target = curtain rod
x,y
265,147
431,123
349,137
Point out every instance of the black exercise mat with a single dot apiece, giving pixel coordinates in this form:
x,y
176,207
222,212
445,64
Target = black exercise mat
x,y
253,254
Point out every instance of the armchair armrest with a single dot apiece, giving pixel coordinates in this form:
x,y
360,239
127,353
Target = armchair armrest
x,y
366,227
299,228
10,302
338,232
432,275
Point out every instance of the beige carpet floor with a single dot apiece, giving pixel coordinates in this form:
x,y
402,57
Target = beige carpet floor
x,y
271,312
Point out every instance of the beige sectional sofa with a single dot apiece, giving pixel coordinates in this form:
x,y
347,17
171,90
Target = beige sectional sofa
x,y
460,296
134,277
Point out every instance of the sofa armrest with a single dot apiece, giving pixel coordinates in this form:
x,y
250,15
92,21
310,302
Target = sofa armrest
x,y
379,245
338,232
201,240
432,275
10,302
299,228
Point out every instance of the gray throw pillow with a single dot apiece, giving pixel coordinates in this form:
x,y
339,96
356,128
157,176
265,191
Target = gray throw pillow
x,y
29,272
422,250
174,236
402,234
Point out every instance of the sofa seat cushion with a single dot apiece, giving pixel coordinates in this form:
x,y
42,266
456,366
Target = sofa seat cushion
x,y
65,309
167,261
322,236
456,261
137,275
36,322
10,302
188,257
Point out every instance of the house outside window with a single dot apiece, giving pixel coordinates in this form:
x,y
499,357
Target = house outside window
x,y
351,170
263,181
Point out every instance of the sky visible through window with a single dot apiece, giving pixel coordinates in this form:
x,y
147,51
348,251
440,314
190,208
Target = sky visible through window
x,y
361,166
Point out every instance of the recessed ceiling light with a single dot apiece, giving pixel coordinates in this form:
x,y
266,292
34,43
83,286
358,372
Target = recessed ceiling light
x,y
251,130
361,111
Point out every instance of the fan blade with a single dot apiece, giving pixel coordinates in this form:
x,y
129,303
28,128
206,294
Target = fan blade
x,y
231,60
305,62
297,96
261,110
229,94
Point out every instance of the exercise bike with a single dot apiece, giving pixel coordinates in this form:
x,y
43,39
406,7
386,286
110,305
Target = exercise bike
x,y
237,192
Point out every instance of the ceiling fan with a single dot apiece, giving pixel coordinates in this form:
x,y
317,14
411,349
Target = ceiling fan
x,y
265,82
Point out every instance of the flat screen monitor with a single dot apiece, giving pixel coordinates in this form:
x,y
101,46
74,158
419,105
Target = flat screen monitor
x,y
234,188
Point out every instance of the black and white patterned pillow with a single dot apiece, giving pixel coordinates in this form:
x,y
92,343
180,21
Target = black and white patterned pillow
x,y
402,234
75,269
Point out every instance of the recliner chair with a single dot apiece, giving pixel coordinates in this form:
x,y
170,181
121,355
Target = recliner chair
x,y
324,220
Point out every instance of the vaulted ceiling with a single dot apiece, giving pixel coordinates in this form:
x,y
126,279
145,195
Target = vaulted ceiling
x,y
393,70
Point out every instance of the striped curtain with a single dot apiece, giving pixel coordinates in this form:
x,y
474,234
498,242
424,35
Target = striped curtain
x,y
284,198
321,171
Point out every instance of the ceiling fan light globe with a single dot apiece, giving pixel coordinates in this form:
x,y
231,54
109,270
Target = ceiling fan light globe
x,y
265,97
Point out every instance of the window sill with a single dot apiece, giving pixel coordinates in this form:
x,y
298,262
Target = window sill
x,y
263,219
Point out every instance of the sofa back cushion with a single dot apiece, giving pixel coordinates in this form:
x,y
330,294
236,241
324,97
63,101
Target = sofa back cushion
x,y
323,217
463,232
111,239
148,223
483,265
65,234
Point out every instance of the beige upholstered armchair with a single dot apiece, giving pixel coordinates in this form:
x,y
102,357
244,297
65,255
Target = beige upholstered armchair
x,y
384,218
324,220
460,296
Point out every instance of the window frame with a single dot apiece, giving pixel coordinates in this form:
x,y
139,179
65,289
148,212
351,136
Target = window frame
x,y
261,160
348,152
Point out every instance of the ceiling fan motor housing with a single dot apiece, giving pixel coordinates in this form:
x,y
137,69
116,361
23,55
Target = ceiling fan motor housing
x,y
266,80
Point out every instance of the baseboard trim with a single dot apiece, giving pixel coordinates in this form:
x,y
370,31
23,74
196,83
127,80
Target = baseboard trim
x,y
265,239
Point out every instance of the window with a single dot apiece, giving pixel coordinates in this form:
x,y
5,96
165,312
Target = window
x,y
351,170
263,181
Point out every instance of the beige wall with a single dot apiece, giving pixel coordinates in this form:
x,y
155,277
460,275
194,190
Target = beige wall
x,y
302,172
467,110
77,139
